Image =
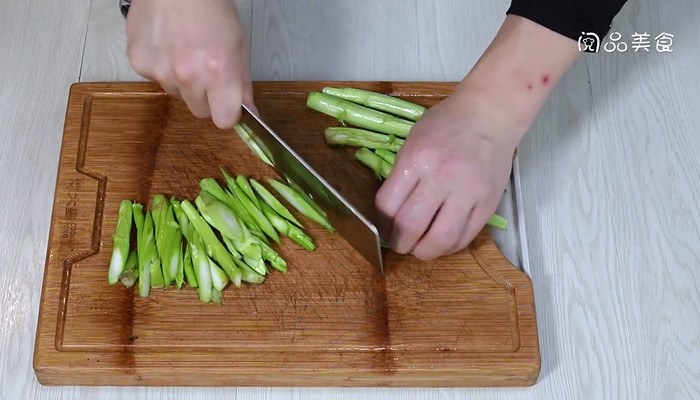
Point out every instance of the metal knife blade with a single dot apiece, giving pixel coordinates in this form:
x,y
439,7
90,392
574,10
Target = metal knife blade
x,y
354,227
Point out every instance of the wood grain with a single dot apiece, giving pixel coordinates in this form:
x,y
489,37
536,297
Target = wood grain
x,y
332,320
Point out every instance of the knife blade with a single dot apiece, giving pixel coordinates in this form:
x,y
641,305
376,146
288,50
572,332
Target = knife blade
x,y
354,227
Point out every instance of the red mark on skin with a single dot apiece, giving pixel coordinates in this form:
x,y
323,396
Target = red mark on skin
x,y
529,86
545,79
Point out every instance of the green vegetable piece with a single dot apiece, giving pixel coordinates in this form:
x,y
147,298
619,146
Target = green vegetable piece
x,y
272,201
189,273
212,187
386,155
358,115
245,186
255,212
347,136
306,197
498,221
226,221
200,261
256,264
288,229
379,101
143,237
237,206
220,217
152,253
231,246
249,275
270,255
130,274
218,276
381,168
244,133
213,246
121,240
292,196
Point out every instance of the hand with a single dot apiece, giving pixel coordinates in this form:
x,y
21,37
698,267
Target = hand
x,y
196,50
449,176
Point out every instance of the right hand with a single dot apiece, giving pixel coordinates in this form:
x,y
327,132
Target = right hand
x,y
196,50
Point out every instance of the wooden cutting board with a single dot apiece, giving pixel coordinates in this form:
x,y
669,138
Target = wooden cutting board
x,y
331,320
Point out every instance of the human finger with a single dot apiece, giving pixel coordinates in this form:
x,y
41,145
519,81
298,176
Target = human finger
x,y
225,105
196,100
476,221
445,231
414,217
392,195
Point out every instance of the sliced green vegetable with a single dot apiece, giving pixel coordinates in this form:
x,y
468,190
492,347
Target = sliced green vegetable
x,y
255,212
244,133
306,197
272,201
256,264
121,239
152,253
379,101
142,241
386,155
213,246
189,273
358,115
235,204
130,274
231,246
381,168
218,276
249,275
200,261
270,255
288,229
293,197
245,186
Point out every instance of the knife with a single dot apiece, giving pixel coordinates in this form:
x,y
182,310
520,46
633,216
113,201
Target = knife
x,y
354,227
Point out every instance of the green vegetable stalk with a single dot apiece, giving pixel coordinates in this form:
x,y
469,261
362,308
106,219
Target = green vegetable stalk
x,y
213,246
381,168
189,273
218,215
379,101
292,196
212,187
288,229
130,274
272,201
245,134
498,221
121,239
346,136
386,155
360,116
255,212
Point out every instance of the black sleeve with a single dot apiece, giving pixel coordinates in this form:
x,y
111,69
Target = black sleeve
x,y
569,17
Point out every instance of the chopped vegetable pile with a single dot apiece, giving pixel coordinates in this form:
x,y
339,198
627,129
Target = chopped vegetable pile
x,y
227,234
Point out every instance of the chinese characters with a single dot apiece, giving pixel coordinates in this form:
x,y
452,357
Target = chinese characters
x,y
638,42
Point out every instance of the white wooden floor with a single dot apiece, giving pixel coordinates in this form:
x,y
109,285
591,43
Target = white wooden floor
x,y
610,177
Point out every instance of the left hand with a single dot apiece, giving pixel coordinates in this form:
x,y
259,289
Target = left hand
x,y
449,176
